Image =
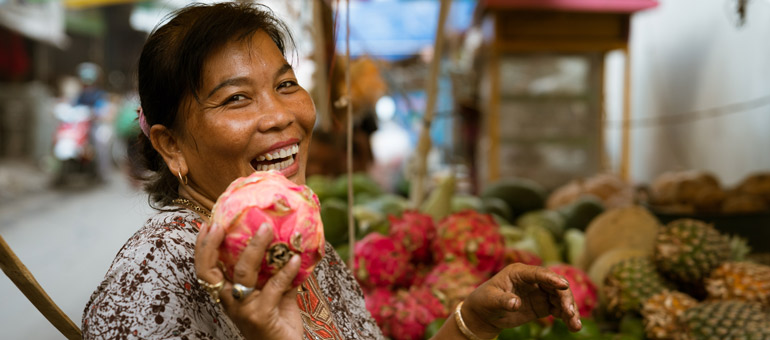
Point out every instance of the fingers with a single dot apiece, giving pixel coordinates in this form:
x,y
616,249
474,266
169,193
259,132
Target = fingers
x,y
281,282
506,301
540,276
207,254
563,306
247,268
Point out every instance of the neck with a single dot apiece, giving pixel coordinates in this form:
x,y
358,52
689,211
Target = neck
x,y
196,197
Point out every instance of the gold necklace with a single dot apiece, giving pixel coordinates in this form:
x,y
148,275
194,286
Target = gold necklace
x,y
190,204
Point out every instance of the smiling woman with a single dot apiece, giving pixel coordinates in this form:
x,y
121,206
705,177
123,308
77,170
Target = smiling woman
x,y
220,102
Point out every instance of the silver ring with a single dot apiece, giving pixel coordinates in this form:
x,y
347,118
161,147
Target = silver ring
x,y
240,291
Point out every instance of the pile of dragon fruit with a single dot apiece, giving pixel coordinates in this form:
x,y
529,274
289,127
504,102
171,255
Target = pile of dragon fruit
x,y
423,268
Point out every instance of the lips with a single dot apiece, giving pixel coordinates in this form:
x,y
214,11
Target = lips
x,y
276,159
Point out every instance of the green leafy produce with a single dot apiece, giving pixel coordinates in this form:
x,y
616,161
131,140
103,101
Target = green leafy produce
x,y
432,329
523,332
439,203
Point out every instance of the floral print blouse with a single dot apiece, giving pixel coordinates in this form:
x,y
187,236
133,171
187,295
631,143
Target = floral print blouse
x,y
151,292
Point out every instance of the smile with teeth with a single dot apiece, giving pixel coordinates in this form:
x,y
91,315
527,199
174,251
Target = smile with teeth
x,y
276,160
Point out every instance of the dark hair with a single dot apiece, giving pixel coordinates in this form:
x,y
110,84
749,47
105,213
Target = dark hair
x,y
170,68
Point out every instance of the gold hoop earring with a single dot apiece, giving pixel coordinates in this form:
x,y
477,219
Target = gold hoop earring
x,y
180,177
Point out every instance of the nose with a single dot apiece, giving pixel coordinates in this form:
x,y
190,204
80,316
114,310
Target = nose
x,y
276,115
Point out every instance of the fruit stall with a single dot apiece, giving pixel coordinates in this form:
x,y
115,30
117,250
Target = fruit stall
x,y
680,257
635,272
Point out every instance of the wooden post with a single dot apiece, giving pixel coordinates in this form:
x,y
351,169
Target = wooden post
x,y
322,69
625,157
417,189
25,281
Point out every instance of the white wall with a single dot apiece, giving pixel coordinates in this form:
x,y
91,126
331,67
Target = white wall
x,y
687,56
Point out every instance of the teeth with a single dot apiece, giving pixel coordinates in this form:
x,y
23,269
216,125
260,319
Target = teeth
x,y
278,166
283,153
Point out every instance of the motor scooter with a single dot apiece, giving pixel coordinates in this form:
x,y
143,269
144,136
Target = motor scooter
x,y
72,146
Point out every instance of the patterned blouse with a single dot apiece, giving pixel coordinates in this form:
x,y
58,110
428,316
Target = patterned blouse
x,y
151,292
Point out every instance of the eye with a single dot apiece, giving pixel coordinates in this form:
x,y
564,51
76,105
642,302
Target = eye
x,y
287,84
235,98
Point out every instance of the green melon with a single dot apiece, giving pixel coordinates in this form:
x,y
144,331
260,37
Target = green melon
x,y
548,219
580,213
334,214
521,194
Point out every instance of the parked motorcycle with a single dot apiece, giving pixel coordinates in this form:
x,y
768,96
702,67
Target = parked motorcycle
x,y
72,144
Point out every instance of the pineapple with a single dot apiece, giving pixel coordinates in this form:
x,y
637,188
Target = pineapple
x,y
688,250
661,314
630,282
730,319
740,280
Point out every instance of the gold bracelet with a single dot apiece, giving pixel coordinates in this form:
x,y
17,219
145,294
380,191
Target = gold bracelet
x,y
461,323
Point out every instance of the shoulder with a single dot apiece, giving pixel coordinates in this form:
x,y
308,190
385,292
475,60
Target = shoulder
x,y
151,291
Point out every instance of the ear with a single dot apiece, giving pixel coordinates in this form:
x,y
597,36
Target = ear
x,y
164,141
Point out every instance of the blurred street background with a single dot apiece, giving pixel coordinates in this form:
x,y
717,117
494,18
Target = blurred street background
x,y
67,239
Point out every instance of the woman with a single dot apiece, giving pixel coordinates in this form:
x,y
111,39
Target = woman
x,y
218,98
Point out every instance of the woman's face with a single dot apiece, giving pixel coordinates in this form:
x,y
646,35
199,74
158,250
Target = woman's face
x,y
251,115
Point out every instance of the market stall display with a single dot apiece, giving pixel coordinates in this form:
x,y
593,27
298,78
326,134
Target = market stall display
x,y
633,276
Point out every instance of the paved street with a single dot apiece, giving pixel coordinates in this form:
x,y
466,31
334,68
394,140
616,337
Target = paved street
x,y
67,239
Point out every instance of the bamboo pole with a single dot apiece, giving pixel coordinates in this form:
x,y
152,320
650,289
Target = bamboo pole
x,y
349,102
417,189
25,281
321,72
625,156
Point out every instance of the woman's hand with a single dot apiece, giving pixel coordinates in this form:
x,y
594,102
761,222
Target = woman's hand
x,y
516,295
269,313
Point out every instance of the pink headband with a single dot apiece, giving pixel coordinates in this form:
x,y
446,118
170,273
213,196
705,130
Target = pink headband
x,y
143,122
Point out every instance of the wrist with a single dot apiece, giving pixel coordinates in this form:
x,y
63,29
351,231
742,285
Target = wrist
x,y
475,324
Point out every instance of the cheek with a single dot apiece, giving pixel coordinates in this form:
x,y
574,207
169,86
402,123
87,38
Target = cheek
x,y
306,113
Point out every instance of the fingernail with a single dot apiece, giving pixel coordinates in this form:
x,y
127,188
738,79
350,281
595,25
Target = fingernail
x,y
263,228
565,281
213,227
514,301
580,323
572,309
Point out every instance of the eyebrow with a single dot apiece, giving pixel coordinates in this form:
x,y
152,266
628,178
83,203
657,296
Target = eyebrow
x,y
243,80
228,82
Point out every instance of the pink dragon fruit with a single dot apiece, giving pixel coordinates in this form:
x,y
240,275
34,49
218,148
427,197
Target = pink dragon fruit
x,y
513,255
379,302
291,210
414,310
471,236
583,290
452,282
415,275
380,261
415,231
